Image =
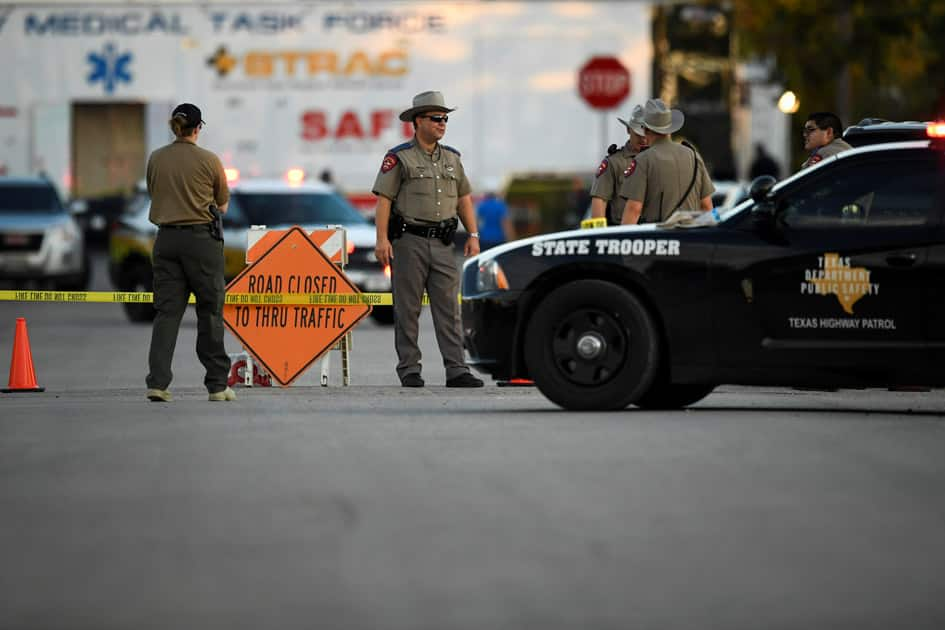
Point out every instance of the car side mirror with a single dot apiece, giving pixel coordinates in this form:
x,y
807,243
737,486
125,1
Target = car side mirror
x,y
761,187
762,214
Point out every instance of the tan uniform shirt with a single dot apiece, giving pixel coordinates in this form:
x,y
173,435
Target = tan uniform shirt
x,y
183,180
610,176
424,188
834,147
660,176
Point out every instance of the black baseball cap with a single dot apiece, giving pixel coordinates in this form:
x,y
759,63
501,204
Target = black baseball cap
x,y
191,113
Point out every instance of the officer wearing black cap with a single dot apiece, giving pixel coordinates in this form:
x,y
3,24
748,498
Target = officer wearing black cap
x,y
186,182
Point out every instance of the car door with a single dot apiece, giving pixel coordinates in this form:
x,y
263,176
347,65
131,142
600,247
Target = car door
x,y
934,282
848,290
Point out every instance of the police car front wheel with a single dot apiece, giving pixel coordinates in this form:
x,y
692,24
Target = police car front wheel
x,y
673,395
592,345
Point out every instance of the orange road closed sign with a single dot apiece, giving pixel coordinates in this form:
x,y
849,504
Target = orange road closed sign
x,y
288,339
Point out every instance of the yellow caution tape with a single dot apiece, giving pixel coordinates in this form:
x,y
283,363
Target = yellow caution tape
x,y
276,299
596,222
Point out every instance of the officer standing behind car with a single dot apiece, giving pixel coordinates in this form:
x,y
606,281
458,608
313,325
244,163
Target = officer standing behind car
x,y
668,176
605,192
823,137
184,182
421,189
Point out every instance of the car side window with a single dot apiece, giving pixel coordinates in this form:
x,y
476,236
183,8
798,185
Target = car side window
x,y
890,193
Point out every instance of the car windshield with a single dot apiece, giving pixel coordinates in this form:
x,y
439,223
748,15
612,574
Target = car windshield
x,y
29,199
301,208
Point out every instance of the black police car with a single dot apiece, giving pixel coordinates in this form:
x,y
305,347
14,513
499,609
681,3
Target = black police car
x,y
834,277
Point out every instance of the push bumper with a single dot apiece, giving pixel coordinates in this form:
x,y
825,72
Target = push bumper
x,y
489,334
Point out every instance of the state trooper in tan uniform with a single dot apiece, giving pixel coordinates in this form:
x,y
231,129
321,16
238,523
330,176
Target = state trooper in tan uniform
x,y
668,176
823,137
605,192
421,190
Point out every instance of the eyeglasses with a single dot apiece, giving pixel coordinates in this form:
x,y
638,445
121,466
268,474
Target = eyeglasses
x,y
810,129
439,119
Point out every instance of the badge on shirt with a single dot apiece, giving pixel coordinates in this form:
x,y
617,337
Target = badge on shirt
x,y
815,158
390,161
630,169
602,167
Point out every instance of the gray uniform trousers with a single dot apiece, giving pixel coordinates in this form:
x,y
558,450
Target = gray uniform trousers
x,y
185,261
426,263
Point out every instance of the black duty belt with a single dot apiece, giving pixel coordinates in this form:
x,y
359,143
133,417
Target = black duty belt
x,y
426,231
185,226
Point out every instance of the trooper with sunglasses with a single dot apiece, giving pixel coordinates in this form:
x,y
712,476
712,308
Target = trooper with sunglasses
x,y
823,137
421,190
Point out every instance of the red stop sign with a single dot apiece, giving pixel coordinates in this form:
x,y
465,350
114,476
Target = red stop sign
x,y
604,82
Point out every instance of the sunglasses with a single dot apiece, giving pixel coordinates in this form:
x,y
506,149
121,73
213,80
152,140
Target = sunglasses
x,y
810,129
439,119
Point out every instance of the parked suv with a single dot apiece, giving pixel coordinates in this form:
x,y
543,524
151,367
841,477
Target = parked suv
x,y
40,241
273,203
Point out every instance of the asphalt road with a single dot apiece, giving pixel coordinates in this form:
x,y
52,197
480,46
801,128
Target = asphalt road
x,y
378,507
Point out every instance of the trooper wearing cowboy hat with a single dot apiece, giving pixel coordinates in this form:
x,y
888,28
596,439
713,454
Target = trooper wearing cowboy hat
x,y
668,176
421,190
605,192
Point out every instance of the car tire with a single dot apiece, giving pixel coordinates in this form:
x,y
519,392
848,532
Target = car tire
x,y
673,395
383,315
618,355
138,279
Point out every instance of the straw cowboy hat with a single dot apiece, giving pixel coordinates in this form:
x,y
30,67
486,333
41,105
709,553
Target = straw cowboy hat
x,y
635,122
426,102
660,119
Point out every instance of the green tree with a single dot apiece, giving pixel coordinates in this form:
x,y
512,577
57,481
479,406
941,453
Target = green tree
x,y
857,58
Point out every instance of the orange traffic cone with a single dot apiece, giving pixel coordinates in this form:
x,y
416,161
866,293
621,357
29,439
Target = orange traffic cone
x,y
22,376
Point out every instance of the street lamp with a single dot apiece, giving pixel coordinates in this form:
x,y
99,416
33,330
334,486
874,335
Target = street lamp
x,y
788,103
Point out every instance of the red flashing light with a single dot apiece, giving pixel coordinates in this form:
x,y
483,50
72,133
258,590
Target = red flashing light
x,y
232,175
387,271
936,130
350,247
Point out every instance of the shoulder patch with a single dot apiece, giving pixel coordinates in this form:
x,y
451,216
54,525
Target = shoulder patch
x,y
629,171
400,147
449,148
390,161
602,167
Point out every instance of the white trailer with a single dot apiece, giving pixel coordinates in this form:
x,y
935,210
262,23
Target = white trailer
x,y
87,89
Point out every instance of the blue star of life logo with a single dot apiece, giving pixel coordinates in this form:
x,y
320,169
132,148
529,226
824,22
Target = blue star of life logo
x,y
109,68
